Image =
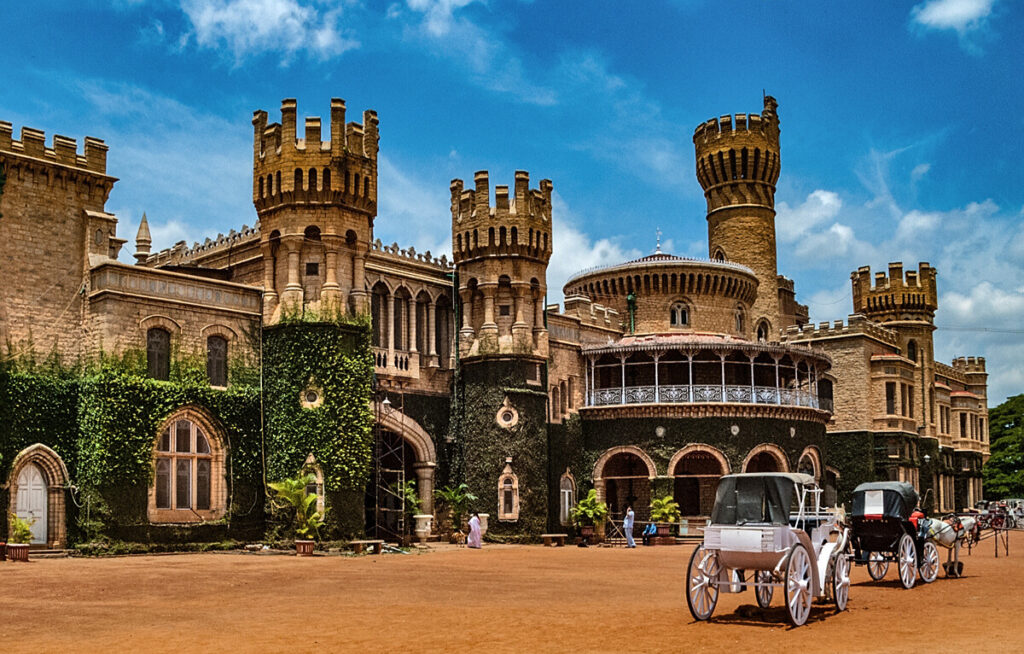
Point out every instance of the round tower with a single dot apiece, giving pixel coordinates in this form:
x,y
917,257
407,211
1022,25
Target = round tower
x,y
501,255
316,200
737,166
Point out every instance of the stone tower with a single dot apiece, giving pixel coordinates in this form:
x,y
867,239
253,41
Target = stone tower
x,y
906,302
316,202
737,166
501,254
499,407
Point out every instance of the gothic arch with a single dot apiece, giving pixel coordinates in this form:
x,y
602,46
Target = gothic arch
x,y
624,449
410,430
217,329
55,475
773,450
814,454
699,447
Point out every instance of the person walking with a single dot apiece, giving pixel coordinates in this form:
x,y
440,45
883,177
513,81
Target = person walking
x,y
627,526
474,540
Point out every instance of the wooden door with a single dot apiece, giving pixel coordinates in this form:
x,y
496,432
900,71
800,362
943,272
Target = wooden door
x,y
31,503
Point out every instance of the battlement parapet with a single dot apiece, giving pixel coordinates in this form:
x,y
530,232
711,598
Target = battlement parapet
x,y
716,131
180,252
898,295
969,364
855,325
410,254
277,140
519,224
590,313
786,284
64,150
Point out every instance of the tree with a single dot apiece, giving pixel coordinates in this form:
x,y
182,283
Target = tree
x,y
1004,471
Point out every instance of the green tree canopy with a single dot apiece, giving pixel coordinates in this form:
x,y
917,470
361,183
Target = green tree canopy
x,y
1004,471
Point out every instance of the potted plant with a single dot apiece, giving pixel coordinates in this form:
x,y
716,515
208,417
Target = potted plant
x,y
664,511
19,538
588,513
414,510
456,500
292,494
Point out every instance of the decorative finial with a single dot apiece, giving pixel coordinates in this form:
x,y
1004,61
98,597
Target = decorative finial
x,y
657,248
143,241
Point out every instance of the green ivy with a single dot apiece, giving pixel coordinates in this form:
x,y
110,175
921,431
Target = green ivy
x,y
336,360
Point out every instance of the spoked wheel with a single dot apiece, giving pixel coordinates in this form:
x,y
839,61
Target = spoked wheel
x,y
702,583
929,562
764,593
877,566
841,581
798,585
907,561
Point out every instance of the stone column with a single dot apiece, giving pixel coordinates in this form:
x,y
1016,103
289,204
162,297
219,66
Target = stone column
x,y
431,329
522,335
425,483
413,309
488,291
358,292
293,289
330,292
395,312
269,283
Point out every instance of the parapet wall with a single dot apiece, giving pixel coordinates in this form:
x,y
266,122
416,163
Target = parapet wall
x,y
855,325
969,364
275,139
516,225
64,150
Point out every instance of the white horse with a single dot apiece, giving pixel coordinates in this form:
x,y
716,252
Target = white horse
x,y
951,532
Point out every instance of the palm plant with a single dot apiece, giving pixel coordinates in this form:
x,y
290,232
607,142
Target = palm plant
x,y
456,500
21,530
665,509
292,494
590,511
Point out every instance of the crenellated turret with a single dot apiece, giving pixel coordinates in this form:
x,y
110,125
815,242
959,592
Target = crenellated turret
x,y
896,297
317,200
501,252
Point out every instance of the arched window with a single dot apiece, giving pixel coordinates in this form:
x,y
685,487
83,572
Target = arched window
x,y
508,494
298,179
718,255
188,480
326,183
740,320
912,350
158,353
555,403
312,179
679,315
566,498
217,360
763,330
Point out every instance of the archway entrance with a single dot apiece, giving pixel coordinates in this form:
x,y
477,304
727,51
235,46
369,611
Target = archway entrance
x,y
696,480
763,462
627,483
37,487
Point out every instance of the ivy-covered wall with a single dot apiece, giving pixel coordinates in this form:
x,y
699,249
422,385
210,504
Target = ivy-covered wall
x,y
335,361
485,444
103,423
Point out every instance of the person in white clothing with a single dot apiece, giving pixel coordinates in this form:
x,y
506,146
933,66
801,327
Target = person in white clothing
x,y
474,540
627,526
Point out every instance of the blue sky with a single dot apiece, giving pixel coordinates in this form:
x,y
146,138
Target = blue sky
x,y
902,128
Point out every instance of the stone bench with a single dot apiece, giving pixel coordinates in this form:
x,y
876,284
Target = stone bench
x,y
375,546
554,540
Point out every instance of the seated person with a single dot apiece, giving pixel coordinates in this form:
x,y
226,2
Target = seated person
x,y
649,531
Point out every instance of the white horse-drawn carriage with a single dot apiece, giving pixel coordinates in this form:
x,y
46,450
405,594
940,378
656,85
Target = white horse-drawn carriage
x,y
768,531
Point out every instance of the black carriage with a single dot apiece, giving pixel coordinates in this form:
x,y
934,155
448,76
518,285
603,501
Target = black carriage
x,y
881,531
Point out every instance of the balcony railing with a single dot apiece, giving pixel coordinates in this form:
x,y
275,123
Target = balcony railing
x,y
398,363
705,393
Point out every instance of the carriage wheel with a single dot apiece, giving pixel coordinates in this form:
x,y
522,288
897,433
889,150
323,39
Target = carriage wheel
x,y
907,561
798,585
841,581
877,566
763,593
702,583
929,562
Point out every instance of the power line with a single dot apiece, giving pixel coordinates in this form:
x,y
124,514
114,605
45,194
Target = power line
x,y
980,329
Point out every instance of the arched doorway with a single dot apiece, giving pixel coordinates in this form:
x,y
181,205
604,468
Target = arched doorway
x,y
403,452
696,470
37,489
766,458
623,478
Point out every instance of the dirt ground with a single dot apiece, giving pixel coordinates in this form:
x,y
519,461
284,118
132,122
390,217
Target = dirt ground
x,y
499,599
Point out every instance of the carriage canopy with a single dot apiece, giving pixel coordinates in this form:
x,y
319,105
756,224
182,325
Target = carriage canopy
x,y
891,499
756,498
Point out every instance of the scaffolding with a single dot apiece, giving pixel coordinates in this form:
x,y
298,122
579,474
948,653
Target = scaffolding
x,y
388,517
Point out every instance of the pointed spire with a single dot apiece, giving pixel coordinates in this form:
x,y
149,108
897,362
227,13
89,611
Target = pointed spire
x,y
142,241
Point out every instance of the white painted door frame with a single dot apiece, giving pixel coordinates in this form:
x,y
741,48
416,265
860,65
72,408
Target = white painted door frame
x,y
31,503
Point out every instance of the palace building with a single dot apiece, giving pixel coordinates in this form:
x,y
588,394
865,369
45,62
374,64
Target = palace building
x,y
654,377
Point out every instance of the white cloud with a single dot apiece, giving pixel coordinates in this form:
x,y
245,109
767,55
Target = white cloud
x,y
959,15
412,211
919,171
252,27
818,207
574,250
